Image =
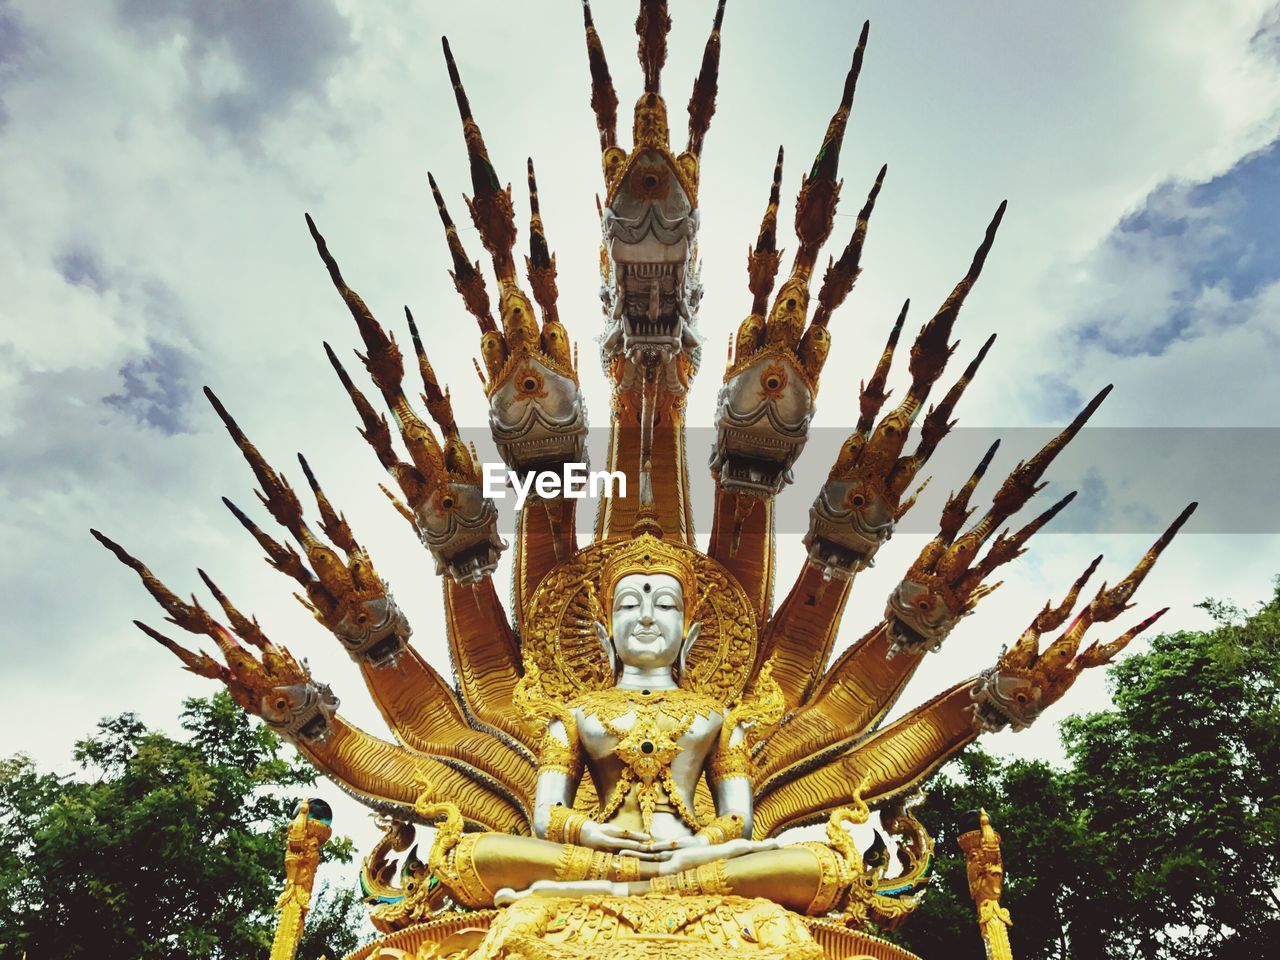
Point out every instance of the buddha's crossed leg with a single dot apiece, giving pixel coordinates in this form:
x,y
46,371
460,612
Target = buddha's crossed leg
x,y
807,877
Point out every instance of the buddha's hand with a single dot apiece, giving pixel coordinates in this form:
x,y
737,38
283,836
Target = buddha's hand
x,y
614,839
690,854
680,843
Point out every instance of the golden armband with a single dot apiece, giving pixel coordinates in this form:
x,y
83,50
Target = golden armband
x,y
729,762
558,757
724,828
565,825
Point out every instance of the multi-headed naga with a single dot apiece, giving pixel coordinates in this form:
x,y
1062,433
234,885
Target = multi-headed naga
x,y
621,748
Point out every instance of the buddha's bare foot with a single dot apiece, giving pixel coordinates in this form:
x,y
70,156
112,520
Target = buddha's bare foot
x,y
688,857
561,888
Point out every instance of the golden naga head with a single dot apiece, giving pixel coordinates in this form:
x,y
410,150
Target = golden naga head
x,y
649,218
269,683
770,386
530,376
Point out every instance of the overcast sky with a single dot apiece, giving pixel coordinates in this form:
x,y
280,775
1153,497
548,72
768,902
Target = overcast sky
x,y
158,156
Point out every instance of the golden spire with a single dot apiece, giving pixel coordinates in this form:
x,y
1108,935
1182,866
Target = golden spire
x,y
816,205
494,217
841,274
702,103
762,262
491,204
310,828
815,215
873,395
541,267
467,278
653,23
931,350
385,363
604,101
985,869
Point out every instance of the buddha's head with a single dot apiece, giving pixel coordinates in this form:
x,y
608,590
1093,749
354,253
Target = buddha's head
x,y
649,602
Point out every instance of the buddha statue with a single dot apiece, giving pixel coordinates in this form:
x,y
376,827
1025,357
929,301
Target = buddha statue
x,y
645,742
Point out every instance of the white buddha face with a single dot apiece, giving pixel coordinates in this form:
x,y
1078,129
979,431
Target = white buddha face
x,y
648,620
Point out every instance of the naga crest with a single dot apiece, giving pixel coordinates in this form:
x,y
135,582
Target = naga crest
x,y
771,384
273,685
649,276
1026,680
948,578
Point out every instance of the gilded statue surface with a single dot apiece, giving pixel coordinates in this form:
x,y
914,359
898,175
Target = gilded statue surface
x,y
611,760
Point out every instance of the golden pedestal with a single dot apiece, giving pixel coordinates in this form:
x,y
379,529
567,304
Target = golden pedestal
x,y
628,928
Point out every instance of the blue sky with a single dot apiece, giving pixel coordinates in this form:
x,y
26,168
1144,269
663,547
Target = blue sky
x,y
159,157
1220,235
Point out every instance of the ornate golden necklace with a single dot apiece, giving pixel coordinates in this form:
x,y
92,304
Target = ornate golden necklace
x,y
647,748
615,702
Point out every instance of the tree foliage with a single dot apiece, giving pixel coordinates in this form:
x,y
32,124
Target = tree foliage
x,y
1160,839
160,848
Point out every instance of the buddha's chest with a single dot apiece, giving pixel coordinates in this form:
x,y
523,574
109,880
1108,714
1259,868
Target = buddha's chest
x,y
649,734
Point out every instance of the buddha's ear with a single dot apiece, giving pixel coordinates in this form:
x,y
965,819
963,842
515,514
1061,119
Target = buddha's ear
x,y
606,643
690,639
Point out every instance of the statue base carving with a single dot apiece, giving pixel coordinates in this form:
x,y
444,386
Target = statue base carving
x,y
621,928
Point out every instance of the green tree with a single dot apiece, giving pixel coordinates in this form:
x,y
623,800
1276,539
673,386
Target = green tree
x,y
162,848
1161,838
